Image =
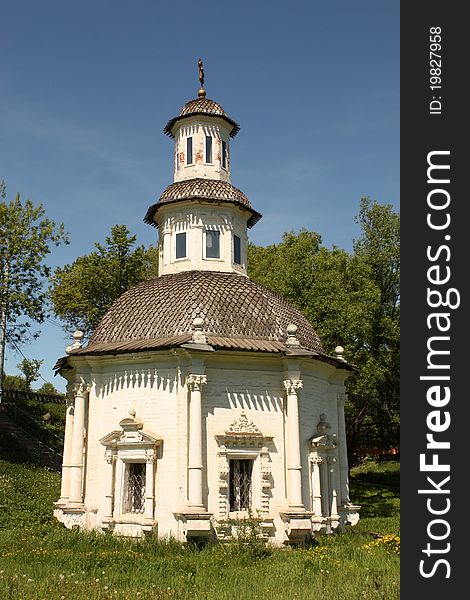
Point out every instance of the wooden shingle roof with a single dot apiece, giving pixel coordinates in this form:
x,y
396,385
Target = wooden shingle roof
x,y
237,314
198,188
201,106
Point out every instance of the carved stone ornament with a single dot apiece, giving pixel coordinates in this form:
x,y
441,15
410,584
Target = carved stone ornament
x,y
194,382
150,456
81,388
292,385
242,426
323,426
110,456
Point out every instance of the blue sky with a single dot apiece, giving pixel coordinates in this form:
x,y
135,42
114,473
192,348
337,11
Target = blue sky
x,y
87,87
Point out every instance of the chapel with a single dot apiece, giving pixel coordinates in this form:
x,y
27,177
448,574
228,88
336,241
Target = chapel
x,y
202,397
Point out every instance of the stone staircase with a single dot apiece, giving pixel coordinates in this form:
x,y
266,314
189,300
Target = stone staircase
x,y
38,451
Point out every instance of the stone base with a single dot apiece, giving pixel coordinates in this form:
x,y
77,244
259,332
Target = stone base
x,y
130,527
298,525
196,525
348,515
325,525
73,515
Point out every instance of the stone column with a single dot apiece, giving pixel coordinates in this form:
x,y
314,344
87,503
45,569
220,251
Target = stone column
x,y
331,460
316,484
294,468
149,483
109,496
343,452
67,452
195,466
78,438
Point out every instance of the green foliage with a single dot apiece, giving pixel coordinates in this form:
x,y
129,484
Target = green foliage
x,y
81,293
41,559
48,388
352,300
30,370
27,236
15,382
246,537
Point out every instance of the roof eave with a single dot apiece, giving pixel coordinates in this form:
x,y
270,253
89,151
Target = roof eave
x,y
168,129
152,211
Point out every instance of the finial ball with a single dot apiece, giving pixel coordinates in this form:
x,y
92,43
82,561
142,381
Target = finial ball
x,y
198,322
291,329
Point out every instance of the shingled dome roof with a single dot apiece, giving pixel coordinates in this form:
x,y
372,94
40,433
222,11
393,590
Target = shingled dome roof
x,y
202,106
212,190
237,314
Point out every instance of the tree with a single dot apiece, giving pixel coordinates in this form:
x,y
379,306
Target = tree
x,y
81,293
352,300
374,394
27,235
30,370
49,389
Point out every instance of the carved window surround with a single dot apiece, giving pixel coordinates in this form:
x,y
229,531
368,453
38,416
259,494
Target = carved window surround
x,y
243,440
123,447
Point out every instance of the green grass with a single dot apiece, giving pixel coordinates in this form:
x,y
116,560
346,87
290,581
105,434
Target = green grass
x,y
41,560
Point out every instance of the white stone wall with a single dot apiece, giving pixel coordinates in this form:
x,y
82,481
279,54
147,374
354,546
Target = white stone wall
x,y
198,127
153,385
193,219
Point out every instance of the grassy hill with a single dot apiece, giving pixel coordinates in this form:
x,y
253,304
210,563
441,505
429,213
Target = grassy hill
x,y
40,560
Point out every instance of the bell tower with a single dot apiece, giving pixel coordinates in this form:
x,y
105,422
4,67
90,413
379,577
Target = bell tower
x,y
201,217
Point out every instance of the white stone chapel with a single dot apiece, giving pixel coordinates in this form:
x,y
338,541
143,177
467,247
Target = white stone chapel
x,y
203,396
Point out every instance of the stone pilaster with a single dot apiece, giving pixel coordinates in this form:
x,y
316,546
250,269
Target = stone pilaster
x,y
294,468
343,453
195,464
67,452
80,392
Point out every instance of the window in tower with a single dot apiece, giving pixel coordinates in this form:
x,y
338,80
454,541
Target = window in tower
x,y
212,243
208,148
224,154
180,245
189,151
237,250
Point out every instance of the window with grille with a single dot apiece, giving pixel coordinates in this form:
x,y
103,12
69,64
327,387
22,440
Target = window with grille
x,y
135,488
240,484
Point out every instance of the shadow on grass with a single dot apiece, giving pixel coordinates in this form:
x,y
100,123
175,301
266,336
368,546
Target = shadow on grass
x,y
374,500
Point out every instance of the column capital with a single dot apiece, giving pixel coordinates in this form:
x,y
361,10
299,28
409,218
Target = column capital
x,y
292,385
194,382
81,388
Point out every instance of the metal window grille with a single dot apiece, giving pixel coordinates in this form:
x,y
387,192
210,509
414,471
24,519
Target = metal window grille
x,y
240,484
135,500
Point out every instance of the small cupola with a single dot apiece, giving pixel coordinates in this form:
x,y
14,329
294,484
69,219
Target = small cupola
x,y
202,218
